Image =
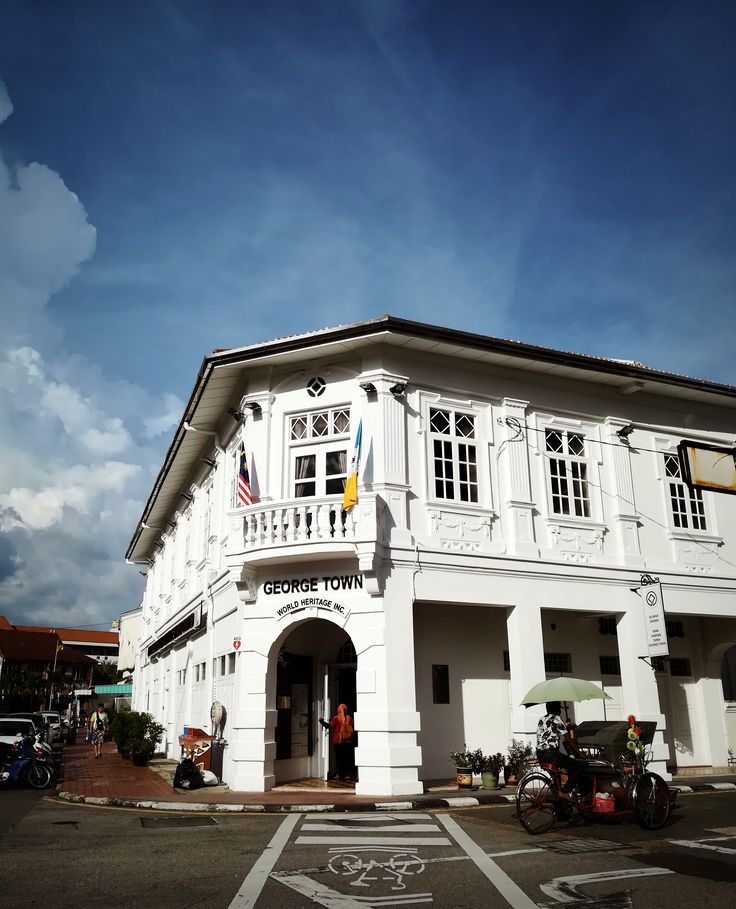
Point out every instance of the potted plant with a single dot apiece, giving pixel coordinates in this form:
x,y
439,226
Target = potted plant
x,y
634,759
120,731
143,737
465,764
489,768
520,753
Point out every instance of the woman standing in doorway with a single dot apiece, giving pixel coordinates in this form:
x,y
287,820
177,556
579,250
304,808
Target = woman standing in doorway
x,y
342,740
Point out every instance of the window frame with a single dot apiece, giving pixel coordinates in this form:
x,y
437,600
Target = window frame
x,y
332,440
481,483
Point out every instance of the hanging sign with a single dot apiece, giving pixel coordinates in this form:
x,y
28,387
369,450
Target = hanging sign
x,y
656,627
236,643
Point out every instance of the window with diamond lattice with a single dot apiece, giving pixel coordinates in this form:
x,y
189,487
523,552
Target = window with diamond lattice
x,y
454,455
320,424
567,468
686,505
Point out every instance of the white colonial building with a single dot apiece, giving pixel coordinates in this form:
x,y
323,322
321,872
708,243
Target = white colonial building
x,y
504,523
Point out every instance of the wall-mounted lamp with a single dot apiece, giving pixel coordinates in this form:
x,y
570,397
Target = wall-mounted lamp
x,y
143,574
253,406
237,415
187,496
368,387
398,389
624,433
208,461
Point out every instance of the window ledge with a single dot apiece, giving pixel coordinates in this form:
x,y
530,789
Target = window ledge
x,y
701,536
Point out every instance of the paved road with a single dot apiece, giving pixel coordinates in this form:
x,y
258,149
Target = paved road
x,y
71,855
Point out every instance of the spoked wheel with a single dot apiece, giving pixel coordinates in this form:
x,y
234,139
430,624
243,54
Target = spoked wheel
x,y
39,776
535,803
651,801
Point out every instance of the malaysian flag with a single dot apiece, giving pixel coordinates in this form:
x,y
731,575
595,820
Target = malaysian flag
x,y
244,496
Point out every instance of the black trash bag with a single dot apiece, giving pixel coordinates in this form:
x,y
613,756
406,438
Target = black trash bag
x,y
187,776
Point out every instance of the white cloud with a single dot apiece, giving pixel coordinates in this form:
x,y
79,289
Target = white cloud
x,y
76,449
80,488
157,425
6,105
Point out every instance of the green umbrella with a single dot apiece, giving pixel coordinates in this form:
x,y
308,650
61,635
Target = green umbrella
x,y
564,689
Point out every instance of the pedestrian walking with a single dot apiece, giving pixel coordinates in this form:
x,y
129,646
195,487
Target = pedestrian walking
x,y
97,727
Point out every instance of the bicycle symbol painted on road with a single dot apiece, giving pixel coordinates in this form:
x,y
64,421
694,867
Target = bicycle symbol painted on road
x,y
401,864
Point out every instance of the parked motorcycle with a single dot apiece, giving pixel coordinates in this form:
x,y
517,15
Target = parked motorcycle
x,y
19,763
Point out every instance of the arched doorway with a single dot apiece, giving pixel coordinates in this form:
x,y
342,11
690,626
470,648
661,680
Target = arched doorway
x,y
314,670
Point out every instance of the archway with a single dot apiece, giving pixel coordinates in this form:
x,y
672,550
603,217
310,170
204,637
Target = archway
x,y
312,668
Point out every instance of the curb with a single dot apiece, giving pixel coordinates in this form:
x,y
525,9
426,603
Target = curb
x,y
419,804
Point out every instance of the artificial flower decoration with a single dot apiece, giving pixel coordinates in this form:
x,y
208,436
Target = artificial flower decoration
x,y
634,744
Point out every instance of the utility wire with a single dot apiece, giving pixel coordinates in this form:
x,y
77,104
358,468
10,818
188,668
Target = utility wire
x,y
519,436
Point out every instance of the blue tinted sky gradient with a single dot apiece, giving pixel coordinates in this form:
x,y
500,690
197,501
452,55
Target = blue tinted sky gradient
x,y
178,176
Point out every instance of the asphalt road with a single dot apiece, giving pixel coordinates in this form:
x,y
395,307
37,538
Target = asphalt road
x,y
70,855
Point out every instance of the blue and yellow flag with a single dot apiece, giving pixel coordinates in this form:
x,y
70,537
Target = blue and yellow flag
x,y
350,497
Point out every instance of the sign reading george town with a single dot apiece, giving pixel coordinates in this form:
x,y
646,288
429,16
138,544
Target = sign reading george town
x,y
315,587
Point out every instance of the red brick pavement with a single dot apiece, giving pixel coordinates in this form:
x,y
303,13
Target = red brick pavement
x,y
112,777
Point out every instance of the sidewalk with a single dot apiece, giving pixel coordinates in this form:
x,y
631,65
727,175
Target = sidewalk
x,y
114,782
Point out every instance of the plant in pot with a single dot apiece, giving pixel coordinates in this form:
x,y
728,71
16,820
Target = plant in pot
x,y
144,736
465,764
489,767
520,753
120,732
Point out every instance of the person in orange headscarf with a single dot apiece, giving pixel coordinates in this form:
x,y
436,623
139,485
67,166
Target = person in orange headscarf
x,y
341,726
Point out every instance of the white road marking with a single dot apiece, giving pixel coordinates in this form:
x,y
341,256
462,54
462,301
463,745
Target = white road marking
x,y
333,899
254,882
705,844
564,889
409,829
379,818
511,892
409,841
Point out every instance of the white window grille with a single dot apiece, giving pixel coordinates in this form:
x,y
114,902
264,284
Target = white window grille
x,y
454,455
567,468
319,462
686,505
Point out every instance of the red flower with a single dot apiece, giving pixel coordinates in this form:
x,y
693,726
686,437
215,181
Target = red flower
x,y
632,719
637,730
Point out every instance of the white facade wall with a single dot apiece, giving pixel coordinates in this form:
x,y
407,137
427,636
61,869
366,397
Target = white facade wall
x,y
442,582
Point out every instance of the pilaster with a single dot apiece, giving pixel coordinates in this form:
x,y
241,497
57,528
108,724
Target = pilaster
x,y
625,517
526,659
513,462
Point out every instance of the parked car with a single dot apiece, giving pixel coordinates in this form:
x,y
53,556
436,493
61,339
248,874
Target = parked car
x,y
38,720
56,727
13,726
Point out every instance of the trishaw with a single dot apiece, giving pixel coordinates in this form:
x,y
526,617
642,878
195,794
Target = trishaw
x,y
614,784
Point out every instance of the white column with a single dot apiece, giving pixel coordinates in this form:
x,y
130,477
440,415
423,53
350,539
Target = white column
x,y
624,517
515,492
526,659
714,714
252,739
384,447
639,692
387,721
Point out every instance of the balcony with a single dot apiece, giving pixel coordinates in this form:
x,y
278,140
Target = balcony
x,y
301,529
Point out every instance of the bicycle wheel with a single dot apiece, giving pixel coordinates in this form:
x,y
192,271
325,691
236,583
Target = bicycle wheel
x,y
535,803
39,776
651,798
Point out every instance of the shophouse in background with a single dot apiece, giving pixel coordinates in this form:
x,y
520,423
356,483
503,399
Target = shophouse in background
x,y
510,499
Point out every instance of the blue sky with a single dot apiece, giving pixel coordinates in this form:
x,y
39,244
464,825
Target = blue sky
x,y
178,176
